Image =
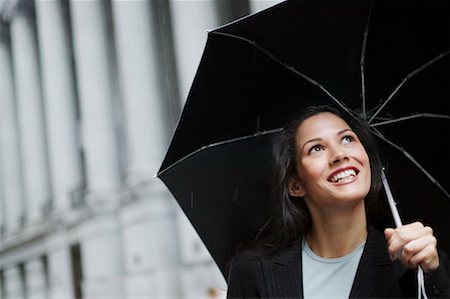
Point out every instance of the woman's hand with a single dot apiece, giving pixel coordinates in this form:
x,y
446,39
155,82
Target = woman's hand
x,y
414,244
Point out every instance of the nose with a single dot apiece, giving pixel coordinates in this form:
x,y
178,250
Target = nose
x,y
337,154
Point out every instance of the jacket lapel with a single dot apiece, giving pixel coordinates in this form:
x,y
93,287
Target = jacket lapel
x,y
375,277
376,274
282,273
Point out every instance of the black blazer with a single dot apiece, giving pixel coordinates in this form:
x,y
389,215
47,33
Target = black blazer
x,y
256,275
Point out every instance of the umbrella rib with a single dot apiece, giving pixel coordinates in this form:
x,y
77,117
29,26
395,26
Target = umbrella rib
x,y
411,158
256,135
425,115
362,63
289,67
409,76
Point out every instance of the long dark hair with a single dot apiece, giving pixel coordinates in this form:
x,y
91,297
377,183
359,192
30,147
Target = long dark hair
x,y
292,218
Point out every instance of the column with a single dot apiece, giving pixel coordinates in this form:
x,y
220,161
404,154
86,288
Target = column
x,y
2,201
2,173
59,266
150,262
191,20
93,64
60,101
9,142
13,282
36,280
32,133
102,258
143,95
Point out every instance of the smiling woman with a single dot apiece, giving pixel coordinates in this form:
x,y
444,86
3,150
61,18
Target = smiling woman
x,y
321,242
332,164
317,134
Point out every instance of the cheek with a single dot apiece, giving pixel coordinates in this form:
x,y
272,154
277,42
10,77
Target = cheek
x,y
309,171
361,154
367,163
367,166
369,179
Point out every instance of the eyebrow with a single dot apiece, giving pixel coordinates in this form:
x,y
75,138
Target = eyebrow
x,y
319,139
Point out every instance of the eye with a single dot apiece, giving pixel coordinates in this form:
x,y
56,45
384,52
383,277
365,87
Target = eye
x,y
347,139
314,149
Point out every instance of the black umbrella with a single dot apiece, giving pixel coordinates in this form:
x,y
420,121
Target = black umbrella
x,y
385,62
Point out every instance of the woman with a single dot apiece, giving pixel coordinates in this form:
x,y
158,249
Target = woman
x,y
322,244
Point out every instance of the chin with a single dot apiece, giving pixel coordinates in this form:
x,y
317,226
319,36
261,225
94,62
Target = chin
x,y
352,196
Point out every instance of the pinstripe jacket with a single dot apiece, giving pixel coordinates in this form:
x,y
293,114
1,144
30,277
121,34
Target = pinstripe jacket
x,y
255,275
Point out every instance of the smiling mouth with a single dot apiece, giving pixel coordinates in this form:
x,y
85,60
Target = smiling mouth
x,y
343,176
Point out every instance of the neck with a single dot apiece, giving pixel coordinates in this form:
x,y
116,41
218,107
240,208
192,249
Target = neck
x,y
337,233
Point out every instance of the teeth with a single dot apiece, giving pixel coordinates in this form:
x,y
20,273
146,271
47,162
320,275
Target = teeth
x,y
344,175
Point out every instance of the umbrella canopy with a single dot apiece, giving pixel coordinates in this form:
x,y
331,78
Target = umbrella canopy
x,y
385,62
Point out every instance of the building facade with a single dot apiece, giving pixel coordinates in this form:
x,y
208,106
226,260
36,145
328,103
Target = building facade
x,y
90,93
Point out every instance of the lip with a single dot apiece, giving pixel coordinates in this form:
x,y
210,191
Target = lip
x,y
340,170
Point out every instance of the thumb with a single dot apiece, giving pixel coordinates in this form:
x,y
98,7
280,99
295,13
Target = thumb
x,y
388,232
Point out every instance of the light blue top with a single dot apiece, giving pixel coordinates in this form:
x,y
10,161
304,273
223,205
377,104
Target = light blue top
x,y
329,277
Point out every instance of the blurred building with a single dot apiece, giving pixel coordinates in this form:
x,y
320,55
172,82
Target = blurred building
x,y
90,93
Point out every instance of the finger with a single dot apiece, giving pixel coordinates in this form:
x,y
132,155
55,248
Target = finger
x,y
388,233
405,234
412,231
417,245
418,251
427,258
409,250
395,246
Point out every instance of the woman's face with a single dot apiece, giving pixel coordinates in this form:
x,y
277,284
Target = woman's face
x,y
333,167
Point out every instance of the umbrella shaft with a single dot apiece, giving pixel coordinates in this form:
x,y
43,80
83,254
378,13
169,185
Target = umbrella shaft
x,y
392,204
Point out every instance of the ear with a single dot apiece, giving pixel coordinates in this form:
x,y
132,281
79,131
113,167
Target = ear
x,y
295,189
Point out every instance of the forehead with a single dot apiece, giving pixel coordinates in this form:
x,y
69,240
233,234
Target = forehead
x,y
319,124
